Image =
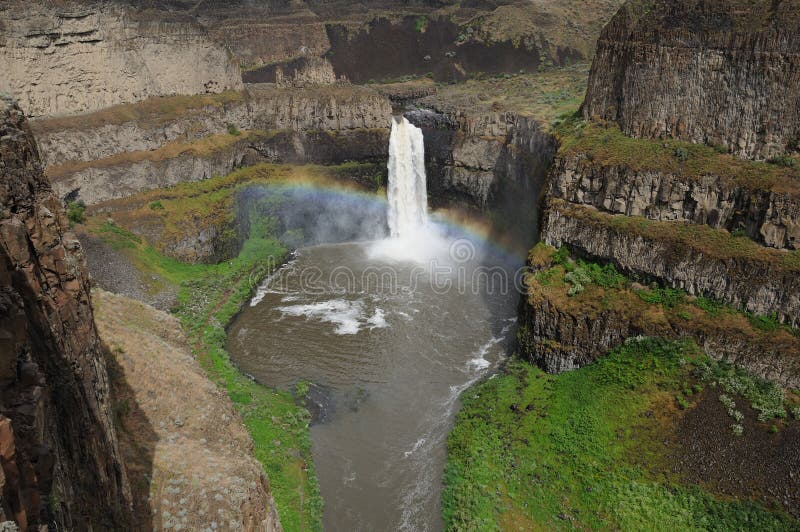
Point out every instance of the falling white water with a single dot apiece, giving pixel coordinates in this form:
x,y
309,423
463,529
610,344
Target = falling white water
x,y
408,195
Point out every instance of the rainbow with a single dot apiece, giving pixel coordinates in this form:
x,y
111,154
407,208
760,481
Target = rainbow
x,y
458,222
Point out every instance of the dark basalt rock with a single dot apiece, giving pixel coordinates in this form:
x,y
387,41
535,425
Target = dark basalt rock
x,y
60,461
722,72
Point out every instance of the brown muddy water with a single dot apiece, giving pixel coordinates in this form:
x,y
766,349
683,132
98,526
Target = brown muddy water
x,y
389,344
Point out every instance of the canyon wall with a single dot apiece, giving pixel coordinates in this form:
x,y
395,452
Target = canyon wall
x,y
82,56
768,216
60,460
723,72
164,141
485,159
665,209
763,283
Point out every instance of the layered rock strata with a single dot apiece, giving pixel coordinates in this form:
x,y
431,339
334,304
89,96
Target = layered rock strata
x,y
757,280
73,57
168,141
769,216
484,159
561,333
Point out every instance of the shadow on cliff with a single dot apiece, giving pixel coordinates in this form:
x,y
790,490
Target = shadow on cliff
x,y
137,439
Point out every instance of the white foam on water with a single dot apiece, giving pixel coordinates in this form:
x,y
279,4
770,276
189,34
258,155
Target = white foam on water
x,y
345,315
419,443
348,317
377,320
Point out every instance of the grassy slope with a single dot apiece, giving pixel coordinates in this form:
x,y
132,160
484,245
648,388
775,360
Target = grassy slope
x,y
533,451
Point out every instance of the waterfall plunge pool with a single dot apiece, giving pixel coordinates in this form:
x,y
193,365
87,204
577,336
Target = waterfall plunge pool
x,y
390,332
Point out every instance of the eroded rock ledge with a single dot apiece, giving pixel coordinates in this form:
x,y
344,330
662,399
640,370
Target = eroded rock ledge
x,y
768,216
695,259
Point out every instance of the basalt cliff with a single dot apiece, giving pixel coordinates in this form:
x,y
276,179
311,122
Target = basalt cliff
x,y
715,72
86,440
61,464
656,177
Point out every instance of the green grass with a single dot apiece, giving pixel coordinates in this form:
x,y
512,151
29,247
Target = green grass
x,y
576,451
209,296
279,427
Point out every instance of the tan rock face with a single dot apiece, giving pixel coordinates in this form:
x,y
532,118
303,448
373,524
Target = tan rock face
x,y
62,464
722,72
311,125
186,451
83,56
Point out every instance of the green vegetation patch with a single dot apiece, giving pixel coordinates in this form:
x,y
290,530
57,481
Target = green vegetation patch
x,y
606,145
583,450
278,425
209,296
168,215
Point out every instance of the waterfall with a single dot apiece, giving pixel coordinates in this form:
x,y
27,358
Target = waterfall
x,y
408,195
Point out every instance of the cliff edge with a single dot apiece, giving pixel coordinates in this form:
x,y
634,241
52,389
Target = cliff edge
x,y
60,459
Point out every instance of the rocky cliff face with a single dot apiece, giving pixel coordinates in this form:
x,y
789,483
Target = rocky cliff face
x,y
762,284
771,217
72,57
162,142
60,461
484,159
561,334
187,453
722,72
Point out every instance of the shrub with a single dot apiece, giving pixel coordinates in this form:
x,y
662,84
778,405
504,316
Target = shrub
x,y
764,396
156,206
783,160
711,306
233,130
737,429
76,211
561,256
667,297
766,323
682,154
577,278
739,233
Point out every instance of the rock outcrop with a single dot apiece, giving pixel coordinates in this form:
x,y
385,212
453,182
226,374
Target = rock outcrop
x,y
721,72
763,282
561,333
60,460
165,141
186,451
484,159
